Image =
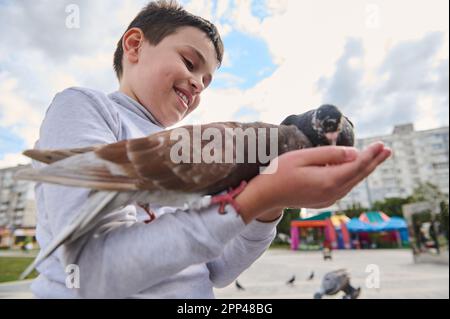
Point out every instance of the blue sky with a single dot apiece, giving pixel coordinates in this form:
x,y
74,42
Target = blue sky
x,y
249,59
10,142
281,57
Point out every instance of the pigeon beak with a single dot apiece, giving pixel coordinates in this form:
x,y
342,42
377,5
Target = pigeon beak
x,y
332,137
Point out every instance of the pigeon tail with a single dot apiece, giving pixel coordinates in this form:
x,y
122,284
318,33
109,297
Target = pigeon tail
x,y
78,227
85,170
52,156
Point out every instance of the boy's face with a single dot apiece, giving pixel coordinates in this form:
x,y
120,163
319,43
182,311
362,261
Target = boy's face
x,y
168,78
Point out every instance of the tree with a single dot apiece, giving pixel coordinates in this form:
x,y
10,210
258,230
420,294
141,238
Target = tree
x,y
428,192
284,226
355,210
391,206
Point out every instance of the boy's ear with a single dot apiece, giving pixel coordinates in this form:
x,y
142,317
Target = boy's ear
x,y
131,43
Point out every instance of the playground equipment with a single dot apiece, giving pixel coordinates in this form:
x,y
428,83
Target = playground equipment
x,y
338,231
326,225
394,228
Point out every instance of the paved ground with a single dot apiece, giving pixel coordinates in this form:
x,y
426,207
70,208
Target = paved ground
x,y
16,290
18,253
399,276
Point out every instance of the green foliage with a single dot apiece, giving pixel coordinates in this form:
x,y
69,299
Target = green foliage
x,y
428,192
355,210
391,206
12,267
284,226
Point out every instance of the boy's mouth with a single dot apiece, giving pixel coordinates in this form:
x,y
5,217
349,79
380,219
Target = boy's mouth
x,y
184,96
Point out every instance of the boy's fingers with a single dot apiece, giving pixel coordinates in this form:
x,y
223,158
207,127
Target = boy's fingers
x,y
368,160
324,155
384,155
381,157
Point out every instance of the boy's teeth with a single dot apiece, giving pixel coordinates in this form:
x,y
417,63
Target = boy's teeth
x,y
183,97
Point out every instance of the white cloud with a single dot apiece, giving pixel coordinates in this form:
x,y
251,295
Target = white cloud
x,y
307,38
202,8
427,115
10,160
38,57
223,7
16,112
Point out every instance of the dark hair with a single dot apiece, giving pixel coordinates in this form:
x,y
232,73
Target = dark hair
x,y
162,18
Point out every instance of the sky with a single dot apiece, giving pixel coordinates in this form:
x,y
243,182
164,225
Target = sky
x,y
383,62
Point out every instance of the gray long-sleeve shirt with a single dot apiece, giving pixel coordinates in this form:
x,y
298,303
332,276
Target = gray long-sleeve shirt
x,y
177,255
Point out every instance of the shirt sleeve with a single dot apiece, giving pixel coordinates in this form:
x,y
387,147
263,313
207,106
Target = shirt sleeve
x,y
73,119
132,255
241,252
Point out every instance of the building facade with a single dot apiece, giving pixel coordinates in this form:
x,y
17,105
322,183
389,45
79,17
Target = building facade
x,y
418,157
17,207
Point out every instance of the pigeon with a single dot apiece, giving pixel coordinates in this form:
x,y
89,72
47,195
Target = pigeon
x,y
336,281
142,170
239,286
311,276
291,281
324,126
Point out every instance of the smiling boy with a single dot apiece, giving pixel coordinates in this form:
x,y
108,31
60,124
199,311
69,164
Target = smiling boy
x,y
166,58
186,61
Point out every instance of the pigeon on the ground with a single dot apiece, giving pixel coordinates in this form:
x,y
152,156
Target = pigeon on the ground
x,y
291,281
336,281
311,276
324,126
142,170
239,286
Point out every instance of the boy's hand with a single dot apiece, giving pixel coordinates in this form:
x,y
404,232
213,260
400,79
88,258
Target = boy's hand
x,y
309,178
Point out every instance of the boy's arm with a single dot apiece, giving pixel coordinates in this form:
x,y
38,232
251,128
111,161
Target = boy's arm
x,y
308,178
241,252
128,256
74,119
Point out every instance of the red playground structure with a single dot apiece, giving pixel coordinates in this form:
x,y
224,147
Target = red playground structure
x,y
323,223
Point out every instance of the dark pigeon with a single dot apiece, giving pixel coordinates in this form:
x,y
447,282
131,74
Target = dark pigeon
x,y
239,286
311,276
324,126
291,281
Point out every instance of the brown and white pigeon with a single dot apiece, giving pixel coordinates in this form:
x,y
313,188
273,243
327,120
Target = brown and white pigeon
x,y
143,170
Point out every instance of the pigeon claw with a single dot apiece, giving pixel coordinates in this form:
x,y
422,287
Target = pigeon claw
x,y
151,214
228,198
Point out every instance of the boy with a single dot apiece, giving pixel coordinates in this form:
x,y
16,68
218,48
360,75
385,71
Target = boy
x,y
164,61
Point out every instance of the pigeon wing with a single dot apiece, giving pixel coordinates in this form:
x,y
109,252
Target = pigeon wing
x,y
143,163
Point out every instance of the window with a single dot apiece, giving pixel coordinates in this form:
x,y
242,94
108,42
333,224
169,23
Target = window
x,y
443,165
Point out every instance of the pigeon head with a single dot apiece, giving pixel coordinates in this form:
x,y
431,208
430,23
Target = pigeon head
x,y
327,122
324,126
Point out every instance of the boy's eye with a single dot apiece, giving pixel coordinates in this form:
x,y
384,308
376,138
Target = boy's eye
x,y
189,64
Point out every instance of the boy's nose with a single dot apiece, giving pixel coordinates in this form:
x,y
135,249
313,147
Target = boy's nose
x,y
197,85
